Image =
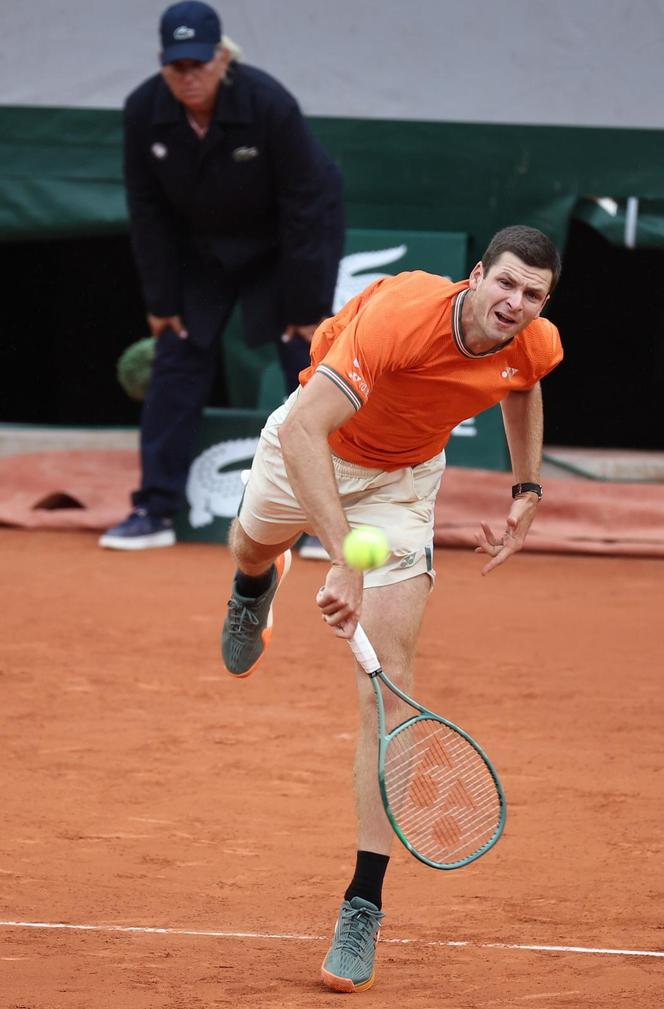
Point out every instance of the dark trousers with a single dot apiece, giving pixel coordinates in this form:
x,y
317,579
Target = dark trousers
x,y
180,385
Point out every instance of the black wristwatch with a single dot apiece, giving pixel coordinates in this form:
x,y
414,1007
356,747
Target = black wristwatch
x,y
524,488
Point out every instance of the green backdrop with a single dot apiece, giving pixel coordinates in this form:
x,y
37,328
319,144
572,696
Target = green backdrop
x,y
60,172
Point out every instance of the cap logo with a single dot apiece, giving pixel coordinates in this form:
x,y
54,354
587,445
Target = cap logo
x,y
183,33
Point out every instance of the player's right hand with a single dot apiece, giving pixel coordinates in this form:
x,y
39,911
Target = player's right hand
x,y
340,600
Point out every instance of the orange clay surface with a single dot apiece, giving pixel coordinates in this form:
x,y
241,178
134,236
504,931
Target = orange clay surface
x,y
202,829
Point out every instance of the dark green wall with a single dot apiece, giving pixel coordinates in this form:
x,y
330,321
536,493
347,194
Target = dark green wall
x,y
60,172
76,305
479,178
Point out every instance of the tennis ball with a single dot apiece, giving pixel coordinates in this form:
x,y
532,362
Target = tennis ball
x,y
366,547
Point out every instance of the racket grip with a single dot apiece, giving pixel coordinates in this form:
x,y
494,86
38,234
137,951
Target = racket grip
x,y
363,651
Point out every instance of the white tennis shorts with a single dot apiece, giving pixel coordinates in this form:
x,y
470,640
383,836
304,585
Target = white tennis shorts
x,y
400,502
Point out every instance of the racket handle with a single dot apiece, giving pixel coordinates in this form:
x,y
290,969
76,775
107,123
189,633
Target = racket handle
x,y
363,651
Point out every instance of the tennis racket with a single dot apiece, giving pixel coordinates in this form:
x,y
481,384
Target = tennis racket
x,y
439,789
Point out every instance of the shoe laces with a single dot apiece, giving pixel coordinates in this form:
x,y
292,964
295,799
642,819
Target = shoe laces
x,y
357,928
136,517
241,619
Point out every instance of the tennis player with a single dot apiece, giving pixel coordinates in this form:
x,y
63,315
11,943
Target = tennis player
x,y
362,441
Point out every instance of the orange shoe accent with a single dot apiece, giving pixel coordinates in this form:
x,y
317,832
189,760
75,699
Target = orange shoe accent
x,y
265,636
344,984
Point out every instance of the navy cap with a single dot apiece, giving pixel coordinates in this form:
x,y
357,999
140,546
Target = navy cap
x,y
189,31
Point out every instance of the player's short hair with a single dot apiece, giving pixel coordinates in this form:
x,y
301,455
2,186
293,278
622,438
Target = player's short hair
x,y
533,247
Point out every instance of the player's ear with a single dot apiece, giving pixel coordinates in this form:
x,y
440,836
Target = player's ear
x,y
476,275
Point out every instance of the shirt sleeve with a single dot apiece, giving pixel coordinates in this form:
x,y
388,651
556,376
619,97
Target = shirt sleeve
x,y
544,352
386,333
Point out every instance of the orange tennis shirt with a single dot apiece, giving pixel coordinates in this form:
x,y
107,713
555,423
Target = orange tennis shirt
x,y
396,351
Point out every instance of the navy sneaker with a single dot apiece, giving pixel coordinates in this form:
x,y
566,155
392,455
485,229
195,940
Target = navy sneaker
x,y
139,531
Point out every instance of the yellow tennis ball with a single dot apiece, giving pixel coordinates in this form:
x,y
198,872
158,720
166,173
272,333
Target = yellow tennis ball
x,y
366,547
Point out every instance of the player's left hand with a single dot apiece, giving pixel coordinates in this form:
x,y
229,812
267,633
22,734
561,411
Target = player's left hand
x,y
518,523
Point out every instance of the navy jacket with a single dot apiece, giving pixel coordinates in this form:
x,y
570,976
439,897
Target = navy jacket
x,y
254,210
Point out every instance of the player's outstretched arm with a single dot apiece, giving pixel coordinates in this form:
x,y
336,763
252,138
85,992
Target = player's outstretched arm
x,y
524,424
320,409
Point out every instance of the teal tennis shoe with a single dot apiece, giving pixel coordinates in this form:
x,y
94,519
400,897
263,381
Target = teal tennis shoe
x,y
248,626
350,962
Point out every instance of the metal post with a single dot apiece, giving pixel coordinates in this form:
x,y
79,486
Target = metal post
x,y
631,220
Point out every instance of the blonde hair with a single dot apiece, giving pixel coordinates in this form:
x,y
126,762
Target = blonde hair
x,y
234,50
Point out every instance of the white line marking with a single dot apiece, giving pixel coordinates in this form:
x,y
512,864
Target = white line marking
x,y
549,994
320,938
160,931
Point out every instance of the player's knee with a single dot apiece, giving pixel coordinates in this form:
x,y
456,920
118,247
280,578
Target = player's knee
x,y
250,556
234,534
241,546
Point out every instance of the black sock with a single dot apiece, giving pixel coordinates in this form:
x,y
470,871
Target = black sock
x,y
367,882
252,588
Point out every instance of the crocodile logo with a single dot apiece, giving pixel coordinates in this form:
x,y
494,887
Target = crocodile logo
x,y
214,485
350,281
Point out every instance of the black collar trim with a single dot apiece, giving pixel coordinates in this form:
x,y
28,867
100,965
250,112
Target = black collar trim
x,y
458,334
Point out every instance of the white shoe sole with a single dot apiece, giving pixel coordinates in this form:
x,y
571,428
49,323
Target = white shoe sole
x,y
288,559
166,538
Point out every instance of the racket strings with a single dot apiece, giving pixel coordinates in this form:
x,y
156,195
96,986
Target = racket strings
x,y
440,791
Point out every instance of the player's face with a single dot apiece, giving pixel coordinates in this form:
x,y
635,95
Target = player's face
x,y
508,297
195,84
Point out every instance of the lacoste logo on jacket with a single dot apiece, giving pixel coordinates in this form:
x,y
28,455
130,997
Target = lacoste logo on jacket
x,y
182,33
245,153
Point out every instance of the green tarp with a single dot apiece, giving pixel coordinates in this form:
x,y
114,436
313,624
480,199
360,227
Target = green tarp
x,y
60,172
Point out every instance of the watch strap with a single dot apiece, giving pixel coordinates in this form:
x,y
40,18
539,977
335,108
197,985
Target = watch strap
x,y
525,488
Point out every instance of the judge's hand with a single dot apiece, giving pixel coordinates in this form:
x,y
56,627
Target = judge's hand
x,y
306,332
158,323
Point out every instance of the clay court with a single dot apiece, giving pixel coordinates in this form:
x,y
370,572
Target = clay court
x,y
173,838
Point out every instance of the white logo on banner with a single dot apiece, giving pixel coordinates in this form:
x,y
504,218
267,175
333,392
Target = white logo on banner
x,y
466,429
213,490
350,281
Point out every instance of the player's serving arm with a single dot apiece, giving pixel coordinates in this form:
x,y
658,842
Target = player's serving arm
x,y
362,443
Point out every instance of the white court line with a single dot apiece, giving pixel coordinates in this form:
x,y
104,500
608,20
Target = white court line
x,y
319,938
